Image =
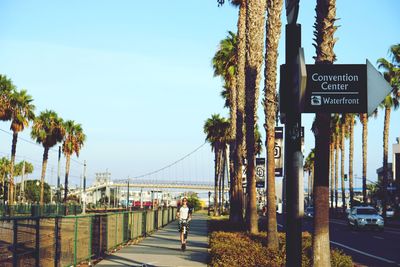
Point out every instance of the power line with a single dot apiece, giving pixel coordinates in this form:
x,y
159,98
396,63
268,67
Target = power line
x,y
171,164
34,143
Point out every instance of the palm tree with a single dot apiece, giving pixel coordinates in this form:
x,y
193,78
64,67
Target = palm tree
x,y
254,57
6,90
351,120
335,126
237,151
364,121
216,129
309,168
392,75
48,130
343,133
73,142
273,30
325,41
332,166
236,211
224,64
4,171
22,112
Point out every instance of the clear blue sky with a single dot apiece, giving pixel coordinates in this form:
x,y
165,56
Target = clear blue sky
x,y
137,74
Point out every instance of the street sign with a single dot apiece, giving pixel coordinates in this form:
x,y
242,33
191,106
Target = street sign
x,y
345,88
260,172
278,151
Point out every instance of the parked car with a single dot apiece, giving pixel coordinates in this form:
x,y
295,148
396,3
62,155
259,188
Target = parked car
x,y
365,217
389,213
309,212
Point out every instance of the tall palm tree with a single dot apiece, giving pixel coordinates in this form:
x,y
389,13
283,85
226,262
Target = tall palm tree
x,y
364,121
309,168
325,41
343,133
391,74
22,112
351,120
4,171
237,146
6,90
236,211
273,30
335,127
224,64
73,141
48,130
216,129
254,58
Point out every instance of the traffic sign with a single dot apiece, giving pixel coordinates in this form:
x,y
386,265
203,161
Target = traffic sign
x,y
345,88
260,172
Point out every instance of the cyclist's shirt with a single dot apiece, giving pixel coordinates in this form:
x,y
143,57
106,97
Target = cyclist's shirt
x,y
184,212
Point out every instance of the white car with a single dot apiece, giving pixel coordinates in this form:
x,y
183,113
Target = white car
x,y
365,217
389,213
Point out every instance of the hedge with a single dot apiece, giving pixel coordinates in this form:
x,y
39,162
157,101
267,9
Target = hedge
x,y
243,249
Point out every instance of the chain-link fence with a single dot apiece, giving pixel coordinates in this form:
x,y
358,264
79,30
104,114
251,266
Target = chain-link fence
x,y
69,240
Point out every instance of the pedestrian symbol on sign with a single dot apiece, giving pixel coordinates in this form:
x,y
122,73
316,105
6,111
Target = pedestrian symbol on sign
x,y
316,100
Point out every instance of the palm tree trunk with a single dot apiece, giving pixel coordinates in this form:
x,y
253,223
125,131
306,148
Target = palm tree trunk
x,y
336,172
325,41
67,165
44,166
254,58
216,169
342,166
221,177
351,153
224,168
11,197
312,181
273,29
364,121
236,189
332,165
385,158
321,248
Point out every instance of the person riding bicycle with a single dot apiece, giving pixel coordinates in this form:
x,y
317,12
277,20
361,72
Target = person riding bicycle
x,y
184,214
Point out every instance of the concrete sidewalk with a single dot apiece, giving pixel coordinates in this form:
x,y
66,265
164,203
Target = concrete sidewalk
x,y
163,248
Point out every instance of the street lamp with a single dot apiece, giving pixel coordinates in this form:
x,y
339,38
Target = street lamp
x,y
209,202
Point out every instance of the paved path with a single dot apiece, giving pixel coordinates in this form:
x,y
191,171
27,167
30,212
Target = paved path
x,y
163,248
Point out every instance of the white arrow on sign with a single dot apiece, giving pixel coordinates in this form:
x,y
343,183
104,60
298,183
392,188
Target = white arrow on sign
x,y
377,88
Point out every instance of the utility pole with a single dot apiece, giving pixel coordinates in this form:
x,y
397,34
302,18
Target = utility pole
x,y
127,197
84,189
22,190
290,95
58,176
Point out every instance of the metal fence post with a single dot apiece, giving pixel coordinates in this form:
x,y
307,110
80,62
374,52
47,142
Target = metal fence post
x,y
75,240
37,242
57,241
90,238
15,243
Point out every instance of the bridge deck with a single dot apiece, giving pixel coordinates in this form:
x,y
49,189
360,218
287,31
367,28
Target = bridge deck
x,y
163,248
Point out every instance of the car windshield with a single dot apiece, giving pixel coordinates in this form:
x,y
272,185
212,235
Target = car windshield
x,y
366,211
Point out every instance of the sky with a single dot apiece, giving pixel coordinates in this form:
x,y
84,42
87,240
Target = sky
x,y
138,76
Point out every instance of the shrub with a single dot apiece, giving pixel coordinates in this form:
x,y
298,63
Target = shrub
x,y
237,248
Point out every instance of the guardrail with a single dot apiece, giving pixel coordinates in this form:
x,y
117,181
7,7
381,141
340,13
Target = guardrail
x,y
69,240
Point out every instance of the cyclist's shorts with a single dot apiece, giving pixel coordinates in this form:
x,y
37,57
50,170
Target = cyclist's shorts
x,y
180,228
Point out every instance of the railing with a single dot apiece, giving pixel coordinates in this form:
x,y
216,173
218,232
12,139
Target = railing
x,y
69,240
35,210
